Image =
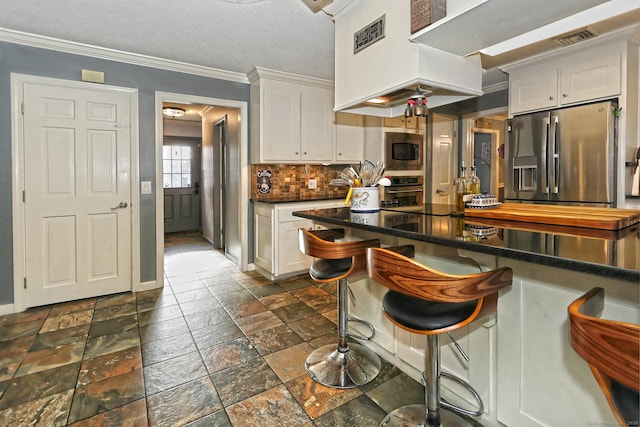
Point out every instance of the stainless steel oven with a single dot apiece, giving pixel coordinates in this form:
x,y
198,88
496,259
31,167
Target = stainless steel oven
x,y
404,191
404,151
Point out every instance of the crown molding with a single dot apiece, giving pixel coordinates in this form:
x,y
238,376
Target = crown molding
x,y
34,40
495,87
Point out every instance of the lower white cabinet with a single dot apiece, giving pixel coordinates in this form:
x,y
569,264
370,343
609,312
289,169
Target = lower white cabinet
x,y
276,250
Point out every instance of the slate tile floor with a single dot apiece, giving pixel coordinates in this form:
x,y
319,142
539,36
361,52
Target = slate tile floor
x,y
214,347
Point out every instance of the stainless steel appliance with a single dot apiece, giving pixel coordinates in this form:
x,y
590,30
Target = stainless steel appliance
x,y
404,191
566,156
403,150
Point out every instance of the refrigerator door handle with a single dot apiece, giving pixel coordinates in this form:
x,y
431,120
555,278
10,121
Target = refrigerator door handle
x,y
544,174
554,158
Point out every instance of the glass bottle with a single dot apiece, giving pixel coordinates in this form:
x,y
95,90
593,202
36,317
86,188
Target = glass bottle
x,y
461,189
473,183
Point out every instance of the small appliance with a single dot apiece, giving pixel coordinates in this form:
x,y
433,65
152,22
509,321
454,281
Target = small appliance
x,y
404,151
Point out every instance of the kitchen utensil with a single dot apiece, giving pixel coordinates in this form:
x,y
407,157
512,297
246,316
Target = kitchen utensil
x,y
349,174
349,193
346,175
378,171
338,182
366,172
383,182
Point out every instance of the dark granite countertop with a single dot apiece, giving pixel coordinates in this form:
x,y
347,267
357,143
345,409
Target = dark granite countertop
x,y
295,200
612,254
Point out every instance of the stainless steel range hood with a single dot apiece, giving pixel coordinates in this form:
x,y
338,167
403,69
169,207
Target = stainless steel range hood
x,y
378,79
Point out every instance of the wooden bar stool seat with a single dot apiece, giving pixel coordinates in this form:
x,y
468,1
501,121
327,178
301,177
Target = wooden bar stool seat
x,y
343,365
428,302
612,350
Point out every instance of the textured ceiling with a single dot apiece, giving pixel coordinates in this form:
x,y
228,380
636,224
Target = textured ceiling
x,y
231,35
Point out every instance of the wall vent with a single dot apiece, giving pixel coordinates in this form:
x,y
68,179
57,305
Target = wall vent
x,y
575,37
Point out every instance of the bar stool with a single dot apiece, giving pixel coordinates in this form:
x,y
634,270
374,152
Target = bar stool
x,y
428,302
611,348
345,365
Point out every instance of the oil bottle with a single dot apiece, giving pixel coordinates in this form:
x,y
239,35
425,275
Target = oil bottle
x,y
473,182
461,188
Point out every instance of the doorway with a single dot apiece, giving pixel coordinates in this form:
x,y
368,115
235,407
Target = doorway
x,y
485,136
224,203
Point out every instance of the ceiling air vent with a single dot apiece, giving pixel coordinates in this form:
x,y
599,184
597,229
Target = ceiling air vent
x,y
575,37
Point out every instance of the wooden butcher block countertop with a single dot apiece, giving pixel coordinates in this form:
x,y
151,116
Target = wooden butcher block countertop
x,y
574,216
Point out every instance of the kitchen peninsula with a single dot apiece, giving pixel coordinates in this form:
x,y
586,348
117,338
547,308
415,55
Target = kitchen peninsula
x,y
521,362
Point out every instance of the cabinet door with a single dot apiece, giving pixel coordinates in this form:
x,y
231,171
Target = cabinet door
x,y
280,121
316,132
263,236
532,91
290,259
349,137
583,81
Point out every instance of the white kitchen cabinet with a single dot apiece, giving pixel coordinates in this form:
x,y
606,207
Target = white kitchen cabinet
x,y
542,381
277,253
576,77
350,137
263,232
292,118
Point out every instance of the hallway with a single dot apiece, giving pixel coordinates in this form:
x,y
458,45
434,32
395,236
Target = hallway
x,y
214,347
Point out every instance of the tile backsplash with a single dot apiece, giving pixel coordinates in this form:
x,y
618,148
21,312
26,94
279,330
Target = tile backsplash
x,y
290,182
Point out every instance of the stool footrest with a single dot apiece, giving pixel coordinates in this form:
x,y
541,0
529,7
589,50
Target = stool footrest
x,y
455,408
358,336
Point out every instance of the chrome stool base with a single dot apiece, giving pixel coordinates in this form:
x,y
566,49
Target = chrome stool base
x,y
354,367
415,416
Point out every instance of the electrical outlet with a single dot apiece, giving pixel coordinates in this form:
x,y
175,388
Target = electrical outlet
x,y
313,183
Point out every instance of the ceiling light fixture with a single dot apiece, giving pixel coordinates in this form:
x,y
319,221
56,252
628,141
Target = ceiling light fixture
x,y
417,104
173,112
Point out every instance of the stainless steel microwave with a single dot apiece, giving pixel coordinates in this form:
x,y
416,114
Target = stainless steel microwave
x,y
404,151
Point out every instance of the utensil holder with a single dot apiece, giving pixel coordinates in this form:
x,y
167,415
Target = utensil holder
x,y
365,199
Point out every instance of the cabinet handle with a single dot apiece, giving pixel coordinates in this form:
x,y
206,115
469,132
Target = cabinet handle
x,y
305,153
551,98
339,154
564,95
297,153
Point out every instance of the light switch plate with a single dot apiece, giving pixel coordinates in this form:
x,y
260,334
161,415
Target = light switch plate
x,y
145,187
313,183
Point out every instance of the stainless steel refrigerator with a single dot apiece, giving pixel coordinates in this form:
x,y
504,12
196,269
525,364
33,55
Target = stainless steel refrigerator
x,y
563,156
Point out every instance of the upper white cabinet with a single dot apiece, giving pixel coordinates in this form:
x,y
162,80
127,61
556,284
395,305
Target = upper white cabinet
x,y
292,118
569,83
578,74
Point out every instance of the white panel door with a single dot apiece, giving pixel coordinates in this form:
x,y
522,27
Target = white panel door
x,y
443,172
77,193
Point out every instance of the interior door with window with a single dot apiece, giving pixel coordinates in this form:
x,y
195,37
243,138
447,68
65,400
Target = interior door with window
x,y
181,182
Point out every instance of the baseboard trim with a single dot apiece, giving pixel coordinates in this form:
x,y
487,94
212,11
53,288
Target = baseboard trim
x,y
7,309
146,286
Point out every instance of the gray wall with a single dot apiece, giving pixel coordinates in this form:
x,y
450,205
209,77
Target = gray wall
x,y
42,62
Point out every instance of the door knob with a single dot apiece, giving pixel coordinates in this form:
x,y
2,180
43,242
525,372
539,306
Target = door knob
x,y
121,205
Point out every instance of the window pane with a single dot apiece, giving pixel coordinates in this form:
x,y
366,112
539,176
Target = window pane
x,y
186,152
166,151
175,152
176,166
186,166
166,180
166,166
175,181
186,180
